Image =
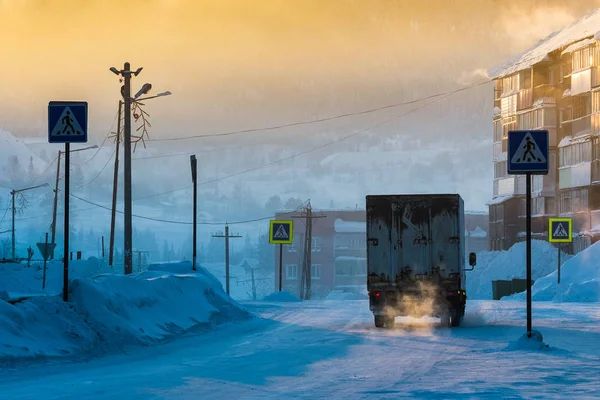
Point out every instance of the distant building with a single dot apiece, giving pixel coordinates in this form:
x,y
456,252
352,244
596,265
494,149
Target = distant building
x,y
339,250
555,86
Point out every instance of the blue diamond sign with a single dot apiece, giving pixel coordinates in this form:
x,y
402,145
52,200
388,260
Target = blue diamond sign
x,y
67,122
528,152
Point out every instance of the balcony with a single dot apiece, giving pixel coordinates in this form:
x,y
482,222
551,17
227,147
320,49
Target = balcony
x,y
595,76
525,99
595,172
575,176
513,185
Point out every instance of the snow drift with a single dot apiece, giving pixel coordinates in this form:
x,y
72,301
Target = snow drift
x,y
281,297
579,280
506,265
111,311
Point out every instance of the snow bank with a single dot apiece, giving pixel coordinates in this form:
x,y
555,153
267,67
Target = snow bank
x,y
111,311
535,342
185,267
281,297
343,295
506,265
579,280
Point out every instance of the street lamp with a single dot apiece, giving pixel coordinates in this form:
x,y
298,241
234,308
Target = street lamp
x,y
13,193
56,193
128,100
163,94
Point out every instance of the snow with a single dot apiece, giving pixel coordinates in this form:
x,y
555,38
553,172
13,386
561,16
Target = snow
x,y
568,140
283,296
578,30
499,199
342,226
347,295
506,265
477,233
330,349
579,45
525,342
111,311
579,281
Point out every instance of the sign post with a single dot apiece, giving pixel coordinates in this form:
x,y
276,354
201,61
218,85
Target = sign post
x,y
46,249
281,232
194,166
67,123
560,230
528,154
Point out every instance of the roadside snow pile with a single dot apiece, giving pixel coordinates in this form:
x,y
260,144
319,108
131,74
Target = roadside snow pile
x,y
185,267
281,297
19,278
535,342
343,295
42,327
579,280
111,311
506,265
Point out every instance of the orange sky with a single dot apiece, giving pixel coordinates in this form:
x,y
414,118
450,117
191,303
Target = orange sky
x,y
242,63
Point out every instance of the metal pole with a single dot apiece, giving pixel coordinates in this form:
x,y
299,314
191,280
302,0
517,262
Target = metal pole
x,y
111,245
280,266
127,245
558,263
227,258
102,248
45,258
253,286
54,210
195,229
13,225
528,250
66,240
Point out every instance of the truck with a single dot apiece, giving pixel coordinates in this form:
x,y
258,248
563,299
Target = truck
x,y
416,257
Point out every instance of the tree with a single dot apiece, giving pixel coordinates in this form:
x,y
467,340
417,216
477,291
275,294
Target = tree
x,y
15,171
292,203
273,204
30,170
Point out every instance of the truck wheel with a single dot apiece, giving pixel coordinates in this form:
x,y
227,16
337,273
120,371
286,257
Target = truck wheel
x,y
445,319
390,322
379,321
457,320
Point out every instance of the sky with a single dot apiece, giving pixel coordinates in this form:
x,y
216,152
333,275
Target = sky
x,y
242,64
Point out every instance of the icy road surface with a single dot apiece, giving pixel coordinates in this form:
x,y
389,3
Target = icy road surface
x,y
330,350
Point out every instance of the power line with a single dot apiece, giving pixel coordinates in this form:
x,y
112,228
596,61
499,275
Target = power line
x,y
105,139
101,170
182,222
314,121
299,153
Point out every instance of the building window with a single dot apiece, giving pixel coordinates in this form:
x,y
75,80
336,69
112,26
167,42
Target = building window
x,y
315,271
510,83
575,153
573,201
508,105
291,271
582,58
498,131
500,169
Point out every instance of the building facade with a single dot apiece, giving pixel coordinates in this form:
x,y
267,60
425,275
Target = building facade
x,y
339,251
553,86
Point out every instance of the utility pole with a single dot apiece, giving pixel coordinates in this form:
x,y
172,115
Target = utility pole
x,y
128,243
194,165
55,204
305,282
227,237
111,245
14,210
128,100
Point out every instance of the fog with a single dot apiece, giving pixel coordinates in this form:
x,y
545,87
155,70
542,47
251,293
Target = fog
x,y
238,65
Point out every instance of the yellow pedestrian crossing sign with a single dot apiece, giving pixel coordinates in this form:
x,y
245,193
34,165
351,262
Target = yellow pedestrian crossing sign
x,y
560,230
281,232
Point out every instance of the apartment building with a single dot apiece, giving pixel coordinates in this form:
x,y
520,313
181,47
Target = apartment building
x,y
554,86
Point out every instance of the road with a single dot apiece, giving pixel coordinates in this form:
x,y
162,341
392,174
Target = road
x,y
330,349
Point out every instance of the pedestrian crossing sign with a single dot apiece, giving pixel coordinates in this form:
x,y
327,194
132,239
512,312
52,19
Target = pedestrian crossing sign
x,y
67,122
560,230
528,152
281,232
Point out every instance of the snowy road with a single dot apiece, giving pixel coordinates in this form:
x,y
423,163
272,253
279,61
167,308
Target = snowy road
x,y
331,350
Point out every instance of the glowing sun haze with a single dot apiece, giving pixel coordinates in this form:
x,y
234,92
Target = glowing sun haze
x,y
247,63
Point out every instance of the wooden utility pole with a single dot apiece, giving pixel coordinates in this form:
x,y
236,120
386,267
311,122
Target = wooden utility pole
x,y
111,245
54,209
227,236
305,281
